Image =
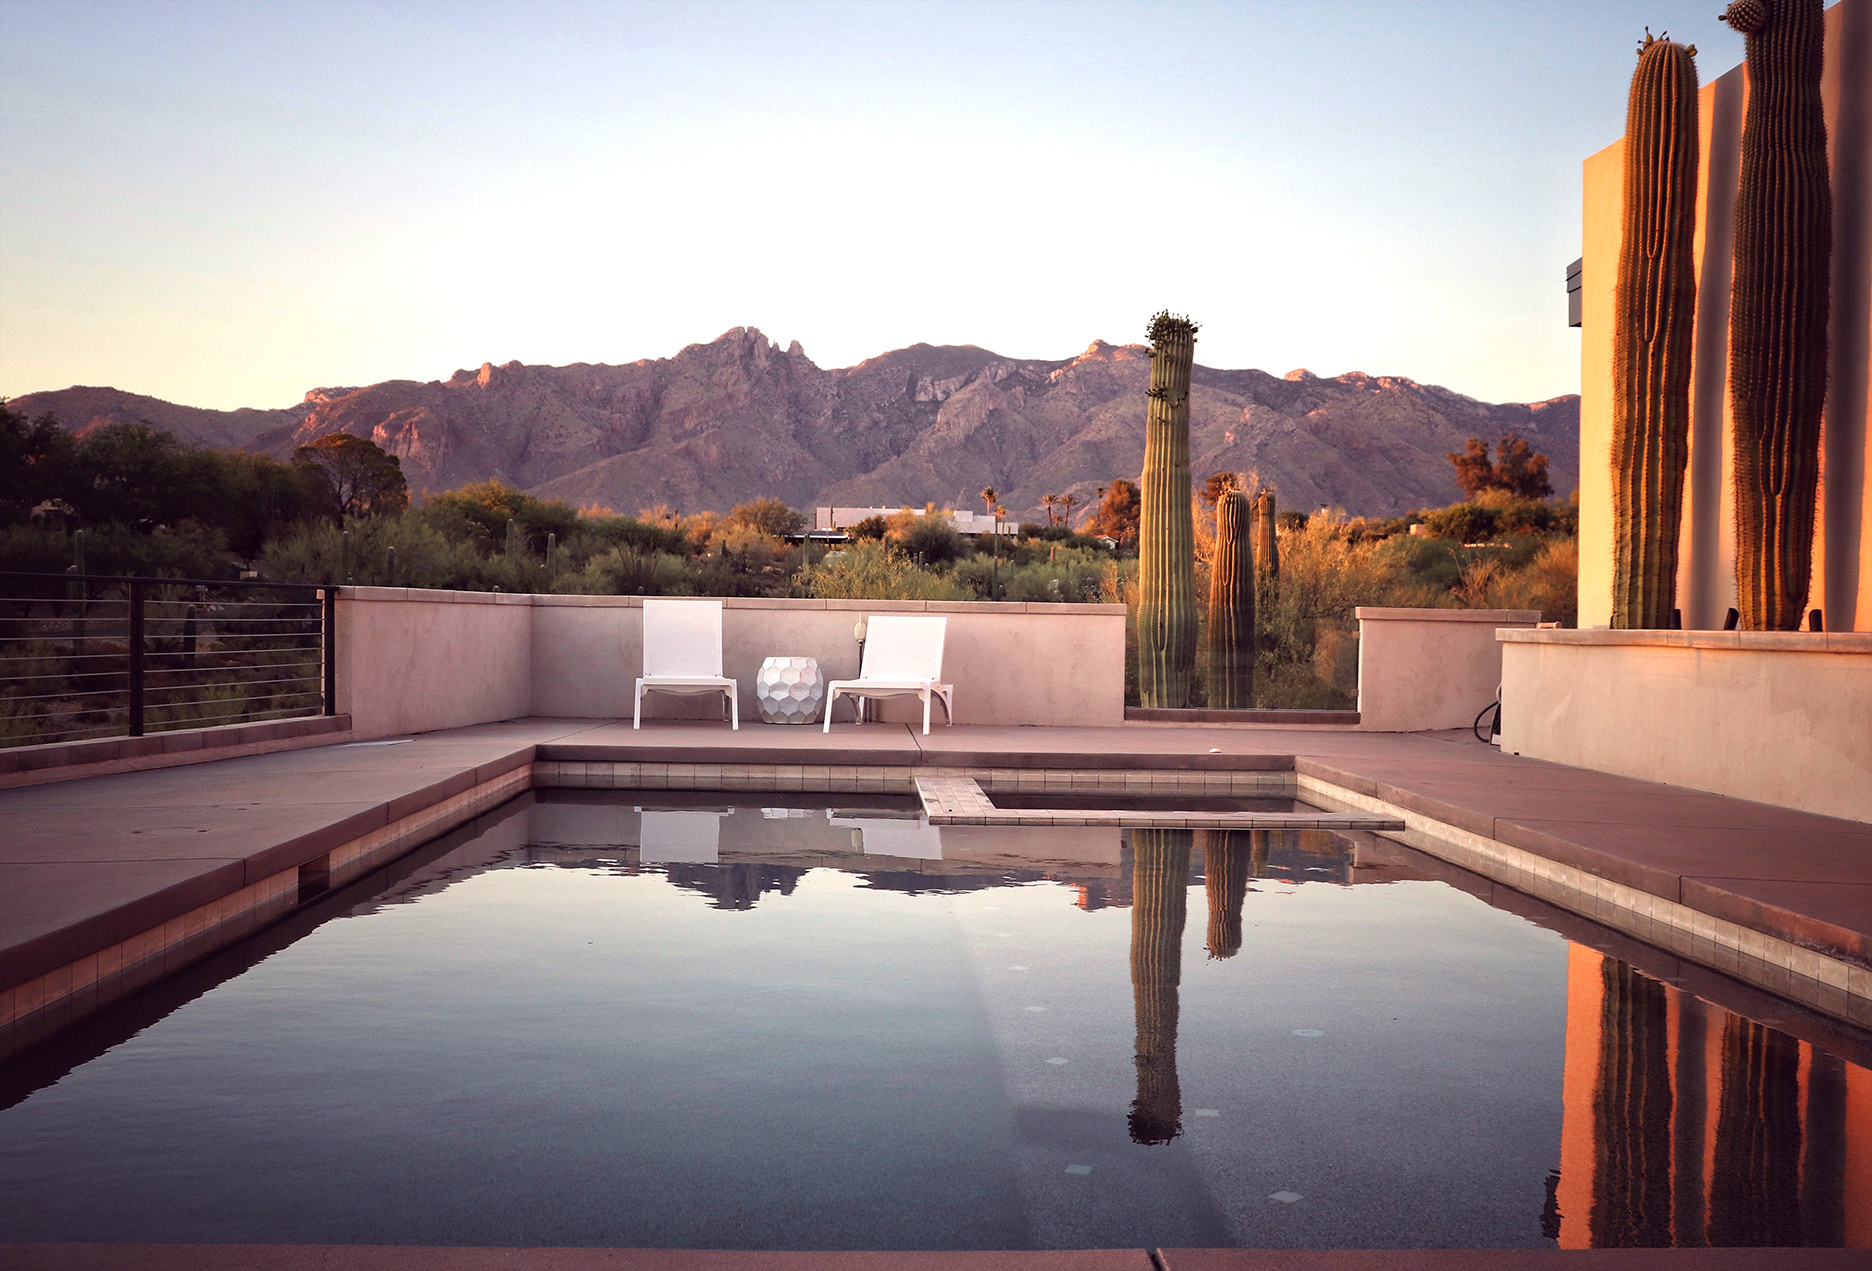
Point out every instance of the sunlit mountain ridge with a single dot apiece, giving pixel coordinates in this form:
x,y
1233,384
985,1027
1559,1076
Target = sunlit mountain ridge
x,y
739,418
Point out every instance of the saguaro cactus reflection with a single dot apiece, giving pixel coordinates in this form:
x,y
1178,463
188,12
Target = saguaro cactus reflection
x,y
1159,908
1229,861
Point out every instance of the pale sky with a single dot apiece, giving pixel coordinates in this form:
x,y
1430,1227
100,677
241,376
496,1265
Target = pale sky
x,y
226,204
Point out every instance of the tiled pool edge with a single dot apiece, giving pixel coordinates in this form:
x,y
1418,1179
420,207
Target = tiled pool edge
x,y
1814,979
47,1004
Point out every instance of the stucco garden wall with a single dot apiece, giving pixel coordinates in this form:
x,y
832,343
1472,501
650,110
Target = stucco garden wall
x,y
1778,717
411,661
1429,668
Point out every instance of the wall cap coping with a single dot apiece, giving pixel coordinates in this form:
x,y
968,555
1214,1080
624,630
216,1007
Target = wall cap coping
x,y
418,595
1499,617
1859,642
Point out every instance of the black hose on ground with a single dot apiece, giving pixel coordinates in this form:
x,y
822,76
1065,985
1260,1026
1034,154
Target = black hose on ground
x,y
1494,725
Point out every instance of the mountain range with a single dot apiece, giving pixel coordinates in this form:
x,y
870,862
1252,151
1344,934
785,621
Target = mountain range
x,y
739,418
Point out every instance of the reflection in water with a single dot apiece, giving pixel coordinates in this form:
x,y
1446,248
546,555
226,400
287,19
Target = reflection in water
x,y
1230,859
1686,1125
880,1049
735,886
1160,863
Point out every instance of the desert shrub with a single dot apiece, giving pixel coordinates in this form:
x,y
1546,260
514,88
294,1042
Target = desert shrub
x,y
629,571
481,511
187,549
1463,522
877,571
929,537
594,535
424,556
770,517
1072,575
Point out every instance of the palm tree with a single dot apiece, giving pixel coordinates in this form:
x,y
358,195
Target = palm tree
x,y
1068,502
1049,502
988,497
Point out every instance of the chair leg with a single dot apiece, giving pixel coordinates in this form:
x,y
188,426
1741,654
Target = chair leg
x,y
926,697
830,701
734,710
637,710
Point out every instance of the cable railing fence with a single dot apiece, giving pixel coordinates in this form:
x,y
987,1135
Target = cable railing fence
x,y
85,655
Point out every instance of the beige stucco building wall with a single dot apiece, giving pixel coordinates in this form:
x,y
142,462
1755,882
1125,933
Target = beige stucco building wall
x,y
1842,576
1774,716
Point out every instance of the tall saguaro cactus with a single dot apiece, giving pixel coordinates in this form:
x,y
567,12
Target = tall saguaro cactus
x,y
1266,546
1231,634
1778,308
1159,909
1654,316
1166,614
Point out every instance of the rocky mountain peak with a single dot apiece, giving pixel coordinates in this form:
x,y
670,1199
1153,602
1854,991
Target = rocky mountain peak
x,y
736,419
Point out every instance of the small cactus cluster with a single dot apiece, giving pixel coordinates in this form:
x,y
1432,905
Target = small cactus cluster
x,y
1779,308
1654,316
1230,642
1166,611
1159,909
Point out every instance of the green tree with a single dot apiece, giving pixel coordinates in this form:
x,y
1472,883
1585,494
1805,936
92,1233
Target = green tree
x,y
35,463
139,476
927,536
481,511
770,517
359,476
1116,516
1518,468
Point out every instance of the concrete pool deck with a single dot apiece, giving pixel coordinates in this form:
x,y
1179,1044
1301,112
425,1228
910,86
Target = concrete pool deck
x,y
111,881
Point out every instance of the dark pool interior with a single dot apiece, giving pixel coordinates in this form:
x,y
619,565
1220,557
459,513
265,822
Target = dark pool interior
x,y
773,1021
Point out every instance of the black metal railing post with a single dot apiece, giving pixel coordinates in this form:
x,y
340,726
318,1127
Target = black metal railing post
x,y
136,657
328,632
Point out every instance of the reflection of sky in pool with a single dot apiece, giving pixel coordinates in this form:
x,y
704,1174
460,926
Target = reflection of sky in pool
x,y
797,1027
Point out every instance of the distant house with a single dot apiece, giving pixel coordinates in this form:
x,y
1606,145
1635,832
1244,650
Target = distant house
x,y
966,522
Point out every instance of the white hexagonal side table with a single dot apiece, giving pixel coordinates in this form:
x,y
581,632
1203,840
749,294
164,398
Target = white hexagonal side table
x,y
789,690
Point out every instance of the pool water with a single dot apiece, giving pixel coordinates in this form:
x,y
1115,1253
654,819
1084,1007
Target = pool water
x,y
654,1020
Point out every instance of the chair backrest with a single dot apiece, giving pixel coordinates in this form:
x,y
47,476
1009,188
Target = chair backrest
x,y
682,637
900,647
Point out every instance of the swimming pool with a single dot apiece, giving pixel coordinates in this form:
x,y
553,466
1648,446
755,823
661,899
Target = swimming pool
x,y
654,1019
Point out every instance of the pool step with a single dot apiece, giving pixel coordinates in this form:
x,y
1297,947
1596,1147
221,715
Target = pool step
x,y
954,798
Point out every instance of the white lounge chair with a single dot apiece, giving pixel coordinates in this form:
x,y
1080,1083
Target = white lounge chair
x,y
682,653
902,657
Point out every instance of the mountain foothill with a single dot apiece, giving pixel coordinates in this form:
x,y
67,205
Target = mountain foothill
x,y
740,418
